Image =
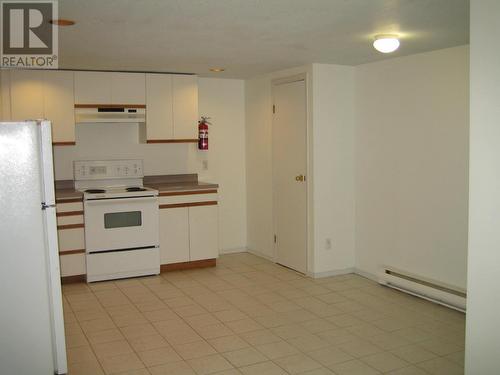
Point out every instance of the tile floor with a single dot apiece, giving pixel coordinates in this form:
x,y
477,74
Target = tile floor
x,y
249,316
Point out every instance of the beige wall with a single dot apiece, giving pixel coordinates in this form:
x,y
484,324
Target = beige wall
x,y
411,165
220,99
483,287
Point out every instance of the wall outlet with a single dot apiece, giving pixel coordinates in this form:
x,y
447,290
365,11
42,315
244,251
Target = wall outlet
x,y
328,244
204,165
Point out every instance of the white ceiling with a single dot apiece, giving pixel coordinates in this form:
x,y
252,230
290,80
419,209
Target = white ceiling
x,y
250,37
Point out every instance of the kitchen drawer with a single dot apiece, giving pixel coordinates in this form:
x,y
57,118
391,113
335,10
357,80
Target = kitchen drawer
x,y
69,220
69,207
191,198
72,264
71,239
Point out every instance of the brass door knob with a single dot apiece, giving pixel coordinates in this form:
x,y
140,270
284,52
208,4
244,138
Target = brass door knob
x,y
300,178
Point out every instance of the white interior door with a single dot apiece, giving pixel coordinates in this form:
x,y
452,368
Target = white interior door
x,y
289,170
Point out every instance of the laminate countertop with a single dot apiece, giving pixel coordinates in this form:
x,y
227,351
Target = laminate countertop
x,y
164,184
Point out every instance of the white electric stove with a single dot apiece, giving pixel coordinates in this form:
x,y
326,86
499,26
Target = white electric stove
x,y
121,219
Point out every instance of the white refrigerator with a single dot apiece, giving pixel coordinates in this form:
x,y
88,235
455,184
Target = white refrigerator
x,y
31,314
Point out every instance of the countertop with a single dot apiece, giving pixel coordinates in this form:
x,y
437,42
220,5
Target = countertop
x,y
166,183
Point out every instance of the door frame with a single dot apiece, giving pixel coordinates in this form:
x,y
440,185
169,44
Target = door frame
x,y
305,76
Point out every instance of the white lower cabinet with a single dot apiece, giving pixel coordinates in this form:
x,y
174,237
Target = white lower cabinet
x,y
203,232
189,233
174,235
71,236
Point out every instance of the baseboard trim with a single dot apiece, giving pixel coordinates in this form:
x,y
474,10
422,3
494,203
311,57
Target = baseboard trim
x,y
188,265
367,275
319,275
233,250
73,279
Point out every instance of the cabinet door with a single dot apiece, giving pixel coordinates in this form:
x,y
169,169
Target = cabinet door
x,y
128,88
93,87
26,94
203,232
5,95
174,235
185,106
159,125
58,103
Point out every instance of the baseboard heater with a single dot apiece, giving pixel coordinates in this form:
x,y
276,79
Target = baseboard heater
x,y
424,288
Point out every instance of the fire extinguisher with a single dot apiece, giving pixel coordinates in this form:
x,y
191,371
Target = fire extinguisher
x,y
203,133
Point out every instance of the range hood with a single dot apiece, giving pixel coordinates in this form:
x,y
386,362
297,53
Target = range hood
x,y
101,113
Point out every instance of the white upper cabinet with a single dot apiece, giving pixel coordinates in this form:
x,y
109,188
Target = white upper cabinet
x,y
92,87
185,106
58,103
110,88
26,94
159,107
128,88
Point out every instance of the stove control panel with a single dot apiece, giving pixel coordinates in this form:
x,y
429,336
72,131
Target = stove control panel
x,y
107,169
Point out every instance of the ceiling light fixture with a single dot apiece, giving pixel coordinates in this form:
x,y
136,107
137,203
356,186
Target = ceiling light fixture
x,y
217,70
386,43
62,22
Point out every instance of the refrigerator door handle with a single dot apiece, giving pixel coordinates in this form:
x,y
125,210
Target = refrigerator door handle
x,y
47,162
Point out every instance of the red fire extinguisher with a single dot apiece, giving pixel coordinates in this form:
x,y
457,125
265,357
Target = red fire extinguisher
x,y
203,133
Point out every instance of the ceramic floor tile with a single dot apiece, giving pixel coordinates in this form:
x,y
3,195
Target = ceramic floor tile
x,y
354,367
194,349
277,349
121,363
244,357
111,349
210,364
329,356
384,361
247,310
297,363
159,356
228,343
174,368
264,368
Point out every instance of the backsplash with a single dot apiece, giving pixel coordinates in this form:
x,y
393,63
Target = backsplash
x,y
121,141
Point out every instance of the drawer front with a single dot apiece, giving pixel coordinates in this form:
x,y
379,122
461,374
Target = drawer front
x,y
72,264
69,207
71,239
186,199
70,220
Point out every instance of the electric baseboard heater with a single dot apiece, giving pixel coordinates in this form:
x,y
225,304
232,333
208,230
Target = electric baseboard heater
x,y
424,288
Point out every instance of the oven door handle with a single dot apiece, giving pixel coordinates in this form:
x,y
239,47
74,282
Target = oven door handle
x,y
120,200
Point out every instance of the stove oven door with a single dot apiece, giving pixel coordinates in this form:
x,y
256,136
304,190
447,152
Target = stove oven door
x,y
121,224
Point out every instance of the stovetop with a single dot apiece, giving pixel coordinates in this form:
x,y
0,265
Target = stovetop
x,y
118,192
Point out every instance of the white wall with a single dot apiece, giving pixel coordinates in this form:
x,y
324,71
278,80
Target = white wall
x,y
330,176
333,166
220,99
411,165
483,289
258,122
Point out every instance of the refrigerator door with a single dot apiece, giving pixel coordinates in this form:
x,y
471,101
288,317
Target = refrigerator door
x,y
47,164
52,247
25,316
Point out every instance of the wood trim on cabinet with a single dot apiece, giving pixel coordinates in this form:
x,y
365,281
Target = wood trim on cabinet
x,y
73,279
70,200
190,192
69,143
110,105
190,204
70,226
69,213
172,140
69,252
188,265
